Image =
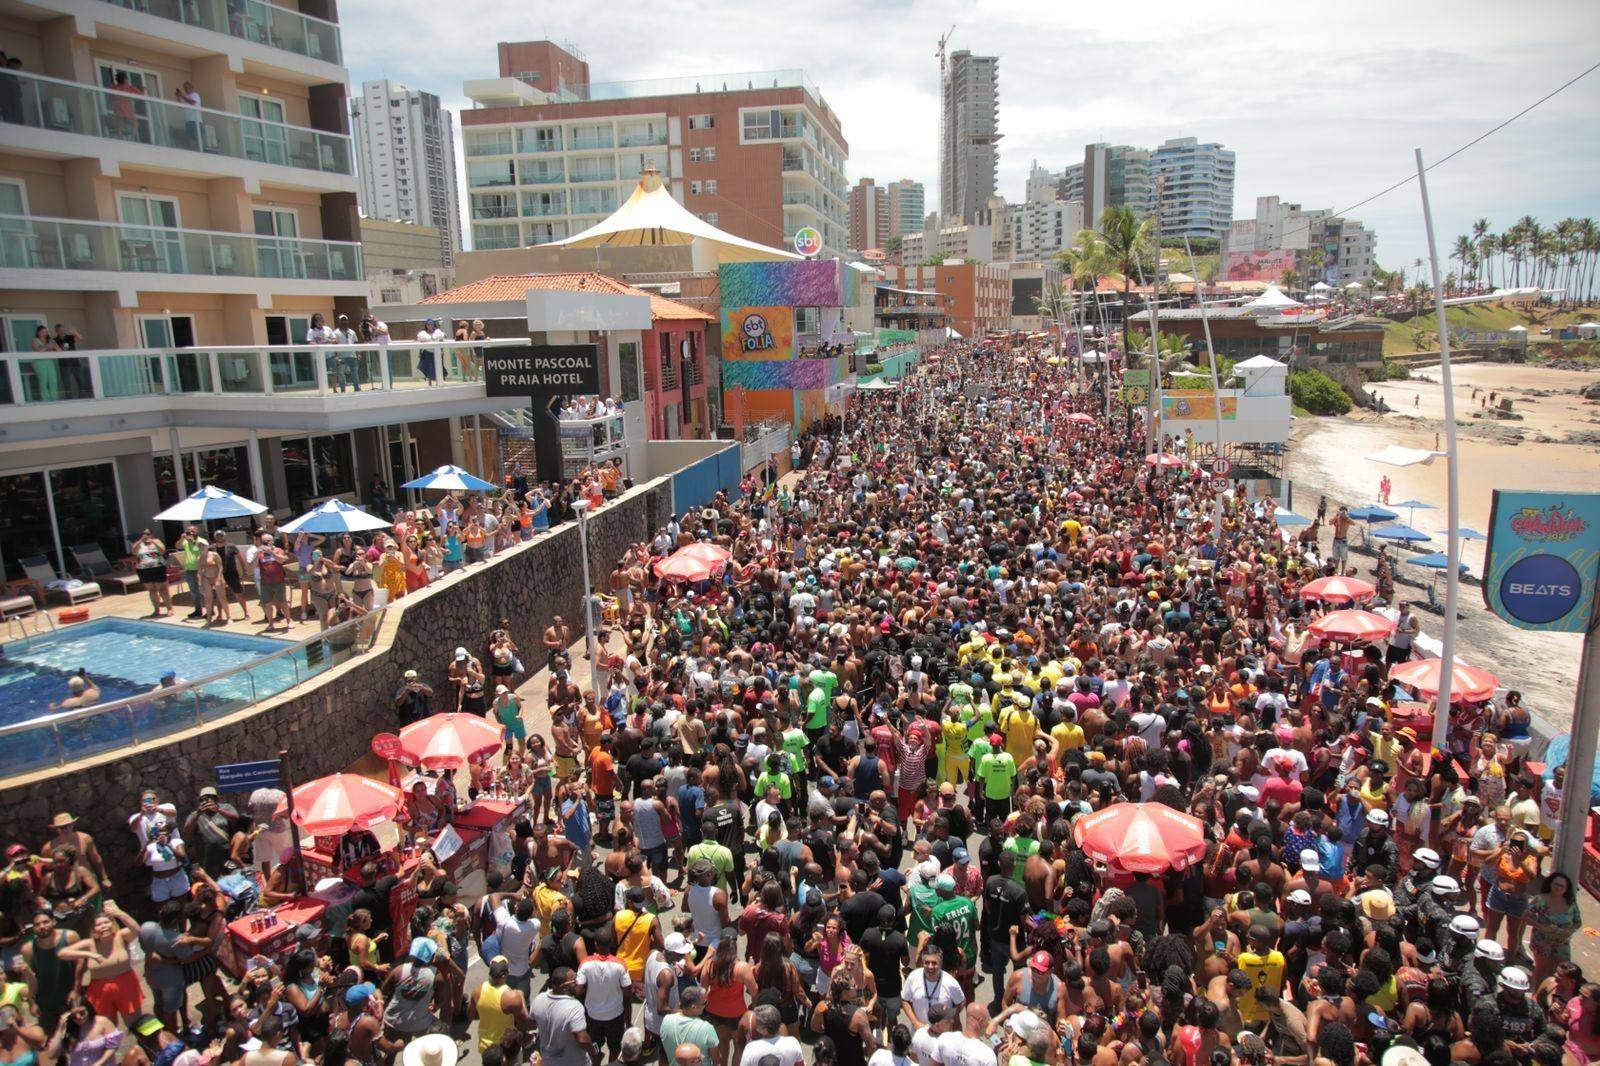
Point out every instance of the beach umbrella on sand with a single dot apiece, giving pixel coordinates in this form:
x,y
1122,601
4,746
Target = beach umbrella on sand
x,y
1413,506
210,504
335,516
1401,533
1289,518
1435,561
1352,627
1373,513
1338,590
1162,459
450,479
1467,683
449,741
339,803
1142,837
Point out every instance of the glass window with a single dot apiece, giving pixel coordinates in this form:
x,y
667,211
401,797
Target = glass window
x,y
226,468
297,478
335,468
87,511
628,371
24,521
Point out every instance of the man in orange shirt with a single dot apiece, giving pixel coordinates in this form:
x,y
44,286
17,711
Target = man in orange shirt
x,y
603,780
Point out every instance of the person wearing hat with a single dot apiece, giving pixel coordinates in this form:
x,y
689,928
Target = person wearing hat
x,y
954,927
1479,974
412,991
498,1008
1374,846
64,832
1520,1016
1413,884
211,826
411,698
1435,907
1035,987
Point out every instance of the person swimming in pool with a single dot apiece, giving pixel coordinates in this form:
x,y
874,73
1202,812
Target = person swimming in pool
x,y
84,692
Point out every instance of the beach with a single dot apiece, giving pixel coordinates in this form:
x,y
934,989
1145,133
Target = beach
x,y
1556,450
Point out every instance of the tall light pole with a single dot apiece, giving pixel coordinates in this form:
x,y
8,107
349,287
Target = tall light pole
x,y
582,507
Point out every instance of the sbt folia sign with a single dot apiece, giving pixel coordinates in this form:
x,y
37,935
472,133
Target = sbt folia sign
x,y
1543,560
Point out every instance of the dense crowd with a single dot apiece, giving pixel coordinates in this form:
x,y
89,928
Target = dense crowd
x,y
825,806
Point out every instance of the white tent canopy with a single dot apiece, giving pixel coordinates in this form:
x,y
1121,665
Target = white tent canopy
x,y
1322,286
1355,285
652,217
1272,300
1260,362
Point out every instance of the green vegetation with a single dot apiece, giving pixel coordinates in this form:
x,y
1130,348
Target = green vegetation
x,y
1386,372
1416,333
1317,393
874,368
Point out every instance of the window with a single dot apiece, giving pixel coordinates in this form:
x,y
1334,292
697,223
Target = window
x,y
711,187
266,140
314,467
711,217
628,371
694,188
711,155
702,122
87,510
694,155
226,467
807,320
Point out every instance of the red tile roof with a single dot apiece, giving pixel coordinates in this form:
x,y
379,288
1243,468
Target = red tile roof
x,y
516,286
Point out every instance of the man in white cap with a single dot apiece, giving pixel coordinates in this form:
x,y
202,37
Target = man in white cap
x,y
1519,1014
1436,908
1310,879
1456,948
1376,847
1478,975
1413,886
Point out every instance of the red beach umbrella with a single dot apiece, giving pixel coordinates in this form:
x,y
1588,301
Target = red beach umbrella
x,y
1467,683
1142,837
449,741
1352,627
338,803
1338,590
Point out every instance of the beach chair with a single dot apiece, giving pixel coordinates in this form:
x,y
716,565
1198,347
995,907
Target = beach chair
x,y
42,574
94,566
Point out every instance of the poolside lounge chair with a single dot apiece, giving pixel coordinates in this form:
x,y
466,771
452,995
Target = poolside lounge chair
x,y
16,608
94,566
43,575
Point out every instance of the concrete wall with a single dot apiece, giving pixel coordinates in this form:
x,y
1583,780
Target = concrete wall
x,y
330,724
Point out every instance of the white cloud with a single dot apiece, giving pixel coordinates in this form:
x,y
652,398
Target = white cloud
x,y
1321,104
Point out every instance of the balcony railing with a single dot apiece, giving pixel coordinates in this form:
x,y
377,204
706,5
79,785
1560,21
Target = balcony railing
x,y
28,242
250,20
542,177
642,140
577,174
58,106
598,140
33,378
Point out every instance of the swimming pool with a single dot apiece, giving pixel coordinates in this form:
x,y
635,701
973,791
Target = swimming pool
x,y
127,658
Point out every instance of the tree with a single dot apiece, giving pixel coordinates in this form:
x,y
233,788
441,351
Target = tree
x,y
1128,246
893,245
1462,253
1289,279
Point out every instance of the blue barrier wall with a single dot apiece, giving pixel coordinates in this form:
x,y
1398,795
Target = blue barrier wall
x,y
699,482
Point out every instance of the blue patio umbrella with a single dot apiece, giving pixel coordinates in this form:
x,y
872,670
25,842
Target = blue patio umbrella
x,y
450,479
210,504
1373,513
1402,533
1413,506
1435,561
335,516
1289,518
1469,534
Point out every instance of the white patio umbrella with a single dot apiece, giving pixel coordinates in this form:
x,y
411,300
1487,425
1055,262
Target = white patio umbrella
x,y
210,504
450,479
335,516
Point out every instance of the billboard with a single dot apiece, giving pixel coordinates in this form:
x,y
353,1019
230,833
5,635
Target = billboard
x,y
1258,266
1544,559
757,332
1198,403
542,370
787,283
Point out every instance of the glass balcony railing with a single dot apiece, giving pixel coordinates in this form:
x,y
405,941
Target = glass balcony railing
x,y
28,242
57,106
593,173
580,142
642,139
544,177
29,378
250,20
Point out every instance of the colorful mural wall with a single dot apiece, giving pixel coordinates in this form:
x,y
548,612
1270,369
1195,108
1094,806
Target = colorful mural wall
x,y
787,283
793,374
764,332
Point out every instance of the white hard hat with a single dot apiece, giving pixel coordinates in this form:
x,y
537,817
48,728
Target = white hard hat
x,y
1427,857
1514,977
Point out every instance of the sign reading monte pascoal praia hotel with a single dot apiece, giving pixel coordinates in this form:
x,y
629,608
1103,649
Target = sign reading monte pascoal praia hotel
x,y
542,370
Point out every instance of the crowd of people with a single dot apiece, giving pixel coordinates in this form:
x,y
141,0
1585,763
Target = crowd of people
x,y
823,808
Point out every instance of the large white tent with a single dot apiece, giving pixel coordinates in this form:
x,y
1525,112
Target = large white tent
x,y
1272,300
651,217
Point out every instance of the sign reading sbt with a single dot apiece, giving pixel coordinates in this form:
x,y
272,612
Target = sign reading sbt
x,y
1544,560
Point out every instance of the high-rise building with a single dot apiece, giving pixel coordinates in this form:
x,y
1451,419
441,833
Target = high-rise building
x,y
1045,186
406,153
549,153
869,215
1072,183
1116,176
970,135
1325,247
1196,188
907,204
1042,230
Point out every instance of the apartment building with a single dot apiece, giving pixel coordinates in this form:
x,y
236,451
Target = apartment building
x,y
975,298
1044,185
869,215
1116,176
970,135
549,152
405,263
1195,188
949,242
1039,229
1324,246
907,205
178,191
406,155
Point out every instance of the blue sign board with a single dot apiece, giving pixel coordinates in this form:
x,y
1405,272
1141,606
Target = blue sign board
x,y
249,776
1544,560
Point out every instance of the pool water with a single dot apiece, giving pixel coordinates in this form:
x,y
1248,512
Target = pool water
x,y
126,658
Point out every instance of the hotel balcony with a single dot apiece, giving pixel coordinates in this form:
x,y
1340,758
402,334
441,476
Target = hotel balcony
x,y
64,254
70,120
263,38
48,395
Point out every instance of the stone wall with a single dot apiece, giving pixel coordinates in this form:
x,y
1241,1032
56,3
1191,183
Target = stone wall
x,y
328,724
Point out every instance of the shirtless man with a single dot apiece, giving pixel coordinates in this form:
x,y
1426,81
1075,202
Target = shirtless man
x,y
84,692
1216,947
1039,878
213,586
547,851
66,833
556,638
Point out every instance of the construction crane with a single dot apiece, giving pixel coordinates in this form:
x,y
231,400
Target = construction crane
x,y
942,41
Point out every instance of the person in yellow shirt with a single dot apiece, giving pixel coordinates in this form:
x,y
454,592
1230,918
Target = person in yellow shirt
x,y
955,764
1264,965
1068,735
1019,726
1073,529
548,896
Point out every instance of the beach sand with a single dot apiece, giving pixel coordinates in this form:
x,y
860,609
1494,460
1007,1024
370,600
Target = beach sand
x,y
1328,456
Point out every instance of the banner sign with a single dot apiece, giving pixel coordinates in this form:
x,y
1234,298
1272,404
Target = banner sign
x,y
1544,560
1198,403
542,370
249,776
1136,386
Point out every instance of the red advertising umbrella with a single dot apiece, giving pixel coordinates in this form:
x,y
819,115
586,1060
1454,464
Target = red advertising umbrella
x,y
1352,627
338,803
706,552
1467,683
679,567
1081,419
1142,837
1162,459
1338,590
449,741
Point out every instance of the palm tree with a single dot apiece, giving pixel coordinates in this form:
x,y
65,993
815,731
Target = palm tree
x,y
1086,264
1128,241
1289,279
1462,253
1527,234
1488,244
1589,240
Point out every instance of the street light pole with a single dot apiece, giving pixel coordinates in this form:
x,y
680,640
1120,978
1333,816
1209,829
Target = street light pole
x,y
582,507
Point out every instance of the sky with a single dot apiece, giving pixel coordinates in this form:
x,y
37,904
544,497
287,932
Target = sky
x,y
1322,106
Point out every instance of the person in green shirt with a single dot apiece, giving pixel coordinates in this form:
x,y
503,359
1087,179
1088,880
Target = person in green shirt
x,y
998,772
955,928
720,858
823,683
191,550
795,743
775,776
923,898
1021,844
